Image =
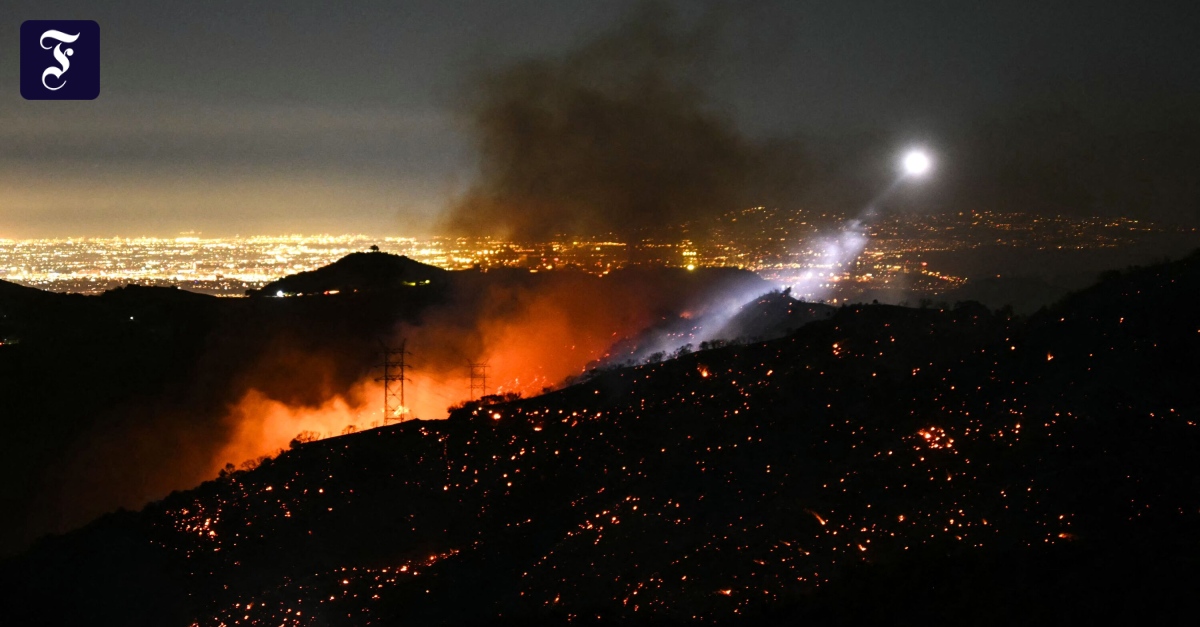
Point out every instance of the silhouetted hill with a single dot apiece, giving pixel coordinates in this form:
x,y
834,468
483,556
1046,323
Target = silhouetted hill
x,y
12,298
358,272
774,315
98,389
12,291
907,466
1024,294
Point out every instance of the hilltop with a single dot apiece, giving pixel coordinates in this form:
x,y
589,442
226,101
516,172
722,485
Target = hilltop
x,y
774,315
888,464
356,272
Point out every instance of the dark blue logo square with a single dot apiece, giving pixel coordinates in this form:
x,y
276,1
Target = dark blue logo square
x,y
60,60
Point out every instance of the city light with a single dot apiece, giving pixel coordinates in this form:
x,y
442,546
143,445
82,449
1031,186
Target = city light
x,y
784,247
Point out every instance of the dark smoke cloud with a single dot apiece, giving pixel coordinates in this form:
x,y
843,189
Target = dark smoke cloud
x,y
617,136
620,135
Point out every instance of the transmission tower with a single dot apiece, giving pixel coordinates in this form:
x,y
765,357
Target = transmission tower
x,y
394,368
478,379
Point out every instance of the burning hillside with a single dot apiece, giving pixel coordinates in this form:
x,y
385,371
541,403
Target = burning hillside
x,y
1023,468
180,384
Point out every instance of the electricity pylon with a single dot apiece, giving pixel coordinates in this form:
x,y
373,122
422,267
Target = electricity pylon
x,y
478,379
394,377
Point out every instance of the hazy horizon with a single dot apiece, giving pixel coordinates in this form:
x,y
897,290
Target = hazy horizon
x,y
328,120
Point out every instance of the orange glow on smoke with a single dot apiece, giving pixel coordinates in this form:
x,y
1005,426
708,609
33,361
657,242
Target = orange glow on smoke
x,y
544,346
530,338
261,426
524,355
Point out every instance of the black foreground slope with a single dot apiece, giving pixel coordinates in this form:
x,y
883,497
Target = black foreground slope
x,y
889,465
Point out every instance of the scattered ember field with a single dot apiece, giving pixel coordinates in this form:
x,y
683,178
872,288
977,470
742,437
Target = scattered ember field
x,y
885,464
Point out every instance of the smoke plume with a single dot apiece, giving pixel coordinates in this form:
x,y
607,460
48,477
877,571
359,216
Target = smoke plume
x,y
616,136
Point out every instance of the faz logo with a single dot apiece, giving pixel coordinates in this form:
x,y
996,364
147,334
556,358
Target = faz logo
x,y
60,60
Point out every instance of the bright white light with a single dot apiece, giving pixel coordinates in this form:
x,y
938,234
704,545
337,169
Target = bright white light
x,y
917,163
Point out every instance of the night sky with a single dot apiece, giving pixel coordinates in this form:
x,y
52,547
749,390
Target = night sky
x,y
311,117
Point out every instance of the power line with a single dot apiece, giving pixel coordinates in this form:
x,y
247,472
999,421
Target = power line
x,y
394,378
478,379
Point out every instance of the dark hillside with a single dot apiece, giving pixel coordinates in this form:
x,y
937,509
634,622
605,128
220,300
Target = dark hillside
x,y
773,315
907,466
114,389
117,399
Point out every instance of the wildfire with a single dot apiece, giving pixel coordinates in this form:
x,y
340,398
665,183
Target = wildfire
x,y
262,426
530,336
530,339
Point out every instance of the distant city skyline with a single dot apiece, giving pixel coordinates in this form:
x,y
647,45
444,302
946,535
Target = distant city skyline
x,y
900,255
